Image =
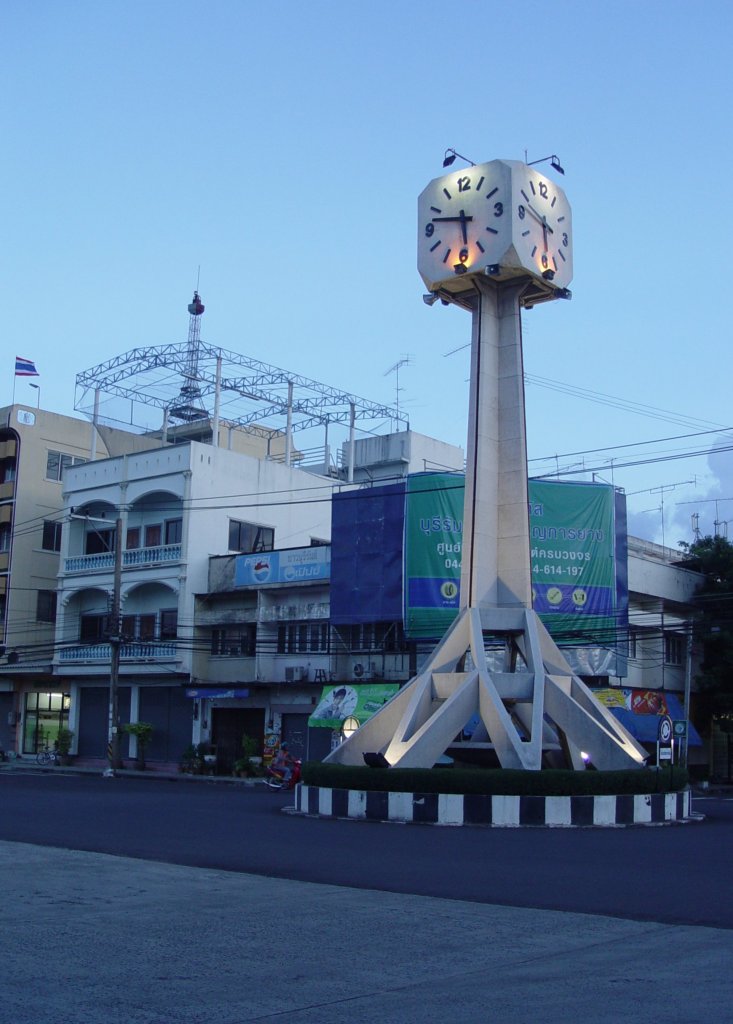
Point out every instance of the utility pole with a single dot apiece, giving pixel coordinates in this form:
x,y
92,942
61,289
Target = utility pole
x,y
688,685
115,642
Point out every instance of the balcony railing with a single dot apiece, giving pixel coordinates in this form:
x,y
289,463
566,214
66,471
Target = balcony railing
x,y
130,652
135,557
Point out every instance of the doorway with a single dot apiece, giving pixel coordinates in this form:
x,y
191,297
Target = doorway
x,y
45,714
228,726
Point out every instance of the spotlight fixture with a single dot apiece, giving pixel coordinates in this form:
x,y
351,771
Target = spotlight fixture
x,y
376,760
563,293
554,163
548,275
459,268
430,298
450,156
492,270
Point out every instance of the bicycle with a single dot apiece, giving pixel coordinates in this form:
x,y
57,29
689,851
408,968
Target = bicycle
x,y
47,756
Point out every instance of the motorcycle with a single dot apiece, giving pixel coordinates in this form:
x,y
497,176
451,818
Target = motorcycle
x,y
275,777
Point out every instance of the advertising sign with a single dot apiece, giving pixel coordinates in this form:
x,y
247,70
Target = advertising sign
x,y
340,702
572,556
576,581
297,565
433,536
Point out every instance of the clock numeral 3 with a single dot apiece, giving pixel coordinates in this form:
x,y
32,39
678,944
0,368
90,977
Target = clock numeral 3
x,y
498,209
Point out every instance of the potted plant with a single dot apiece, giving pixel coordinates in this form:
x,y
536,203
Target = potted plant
x,y
249,764
63,744
143,732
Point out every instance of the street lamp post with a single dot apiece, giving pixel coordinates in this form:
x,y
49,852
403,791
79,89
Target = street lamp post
x,y
38,395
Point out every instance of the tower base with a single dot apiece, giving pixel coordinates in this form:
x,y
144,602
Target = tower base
x,y
533,711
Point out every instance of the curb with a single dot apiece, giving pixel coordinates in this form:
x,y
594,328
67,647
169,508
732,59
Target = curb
x,y
30,768
495,811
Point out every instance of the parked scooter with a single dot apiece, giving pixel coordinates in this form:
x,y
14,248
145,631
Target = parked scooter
x,y
275,777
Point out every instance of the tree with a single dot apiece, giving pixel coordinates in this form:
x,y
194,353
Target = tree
x,y
713,631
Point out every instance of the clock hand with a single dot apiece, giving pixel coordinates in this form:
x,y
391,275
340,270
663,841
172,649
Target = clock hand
x,y
540,217
462,220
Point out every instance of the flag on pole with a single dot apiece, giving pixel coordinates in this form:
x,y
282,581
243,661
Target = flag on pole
x,y
25,367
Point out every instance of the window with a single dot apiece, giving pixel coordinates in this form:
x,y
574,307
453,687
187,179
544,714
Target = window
x,y
173,531
4,537
234,641
633,638
142,626
169,624
302,638
373,636
132,540
56,463
7,471
93,628
153,535
248,537
99,541
51,536
46,606
674,646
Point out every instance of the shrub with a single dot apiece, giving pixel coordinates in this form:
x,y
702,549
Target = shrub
x,y
495,781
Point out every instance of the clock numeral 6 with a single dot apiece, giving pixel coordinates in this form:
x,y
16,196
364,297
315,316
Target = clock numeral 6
x,y
463,255
429,230
544,260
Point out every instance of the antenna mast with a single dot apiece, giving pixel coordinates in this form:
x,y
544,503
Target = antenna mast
x,y
189,406
396,371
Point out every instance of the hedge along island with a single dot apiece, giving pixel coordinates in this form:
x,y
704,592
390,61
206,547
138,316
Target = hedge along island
x,y
496,781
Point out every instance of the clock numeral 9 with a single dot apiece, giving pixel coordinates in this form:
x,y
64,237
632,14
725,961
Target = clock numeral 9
x,y
521,211
429,230
498,209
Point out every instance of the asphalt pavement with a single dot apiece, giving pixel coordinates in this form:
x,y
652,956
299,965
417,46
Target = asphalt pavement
x,y
91,937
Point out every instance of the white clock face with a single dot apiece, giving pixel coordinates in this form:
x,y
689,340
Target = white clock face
x,y
542,226
501,218
464,222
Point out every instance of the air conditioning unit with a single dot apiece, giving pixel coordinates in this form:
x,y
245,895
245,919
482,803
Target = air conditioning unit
x,y
296,673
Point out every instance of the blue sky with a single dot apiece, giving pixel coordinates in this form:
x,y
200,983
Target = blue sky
x,y
282,148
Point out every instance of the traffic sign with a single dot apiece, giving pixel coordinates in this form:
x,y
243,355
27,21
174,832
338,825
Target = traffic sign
x,y
680,728
665,730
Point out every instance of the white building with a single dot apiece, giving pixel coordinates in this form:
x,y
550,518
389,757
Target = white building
x,y
175,506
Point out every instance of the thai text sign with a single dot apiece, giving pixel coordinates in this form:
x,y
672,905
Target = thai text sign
x,y
295,565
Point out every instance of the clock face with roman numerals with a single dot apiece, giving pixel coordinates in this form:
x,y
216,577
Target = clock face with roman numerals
x,y
502,218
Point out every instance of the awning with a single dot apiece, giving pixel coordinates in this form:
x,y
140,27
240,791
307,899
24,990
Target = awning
x,y
341,701
639,712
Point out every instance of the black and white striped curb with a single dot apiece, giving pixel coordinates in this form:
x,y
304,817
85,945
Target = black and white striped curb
x,y
497,811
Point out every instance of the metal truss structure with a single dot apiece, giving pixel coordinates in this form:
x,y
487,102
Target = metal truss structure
x,y
184,380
